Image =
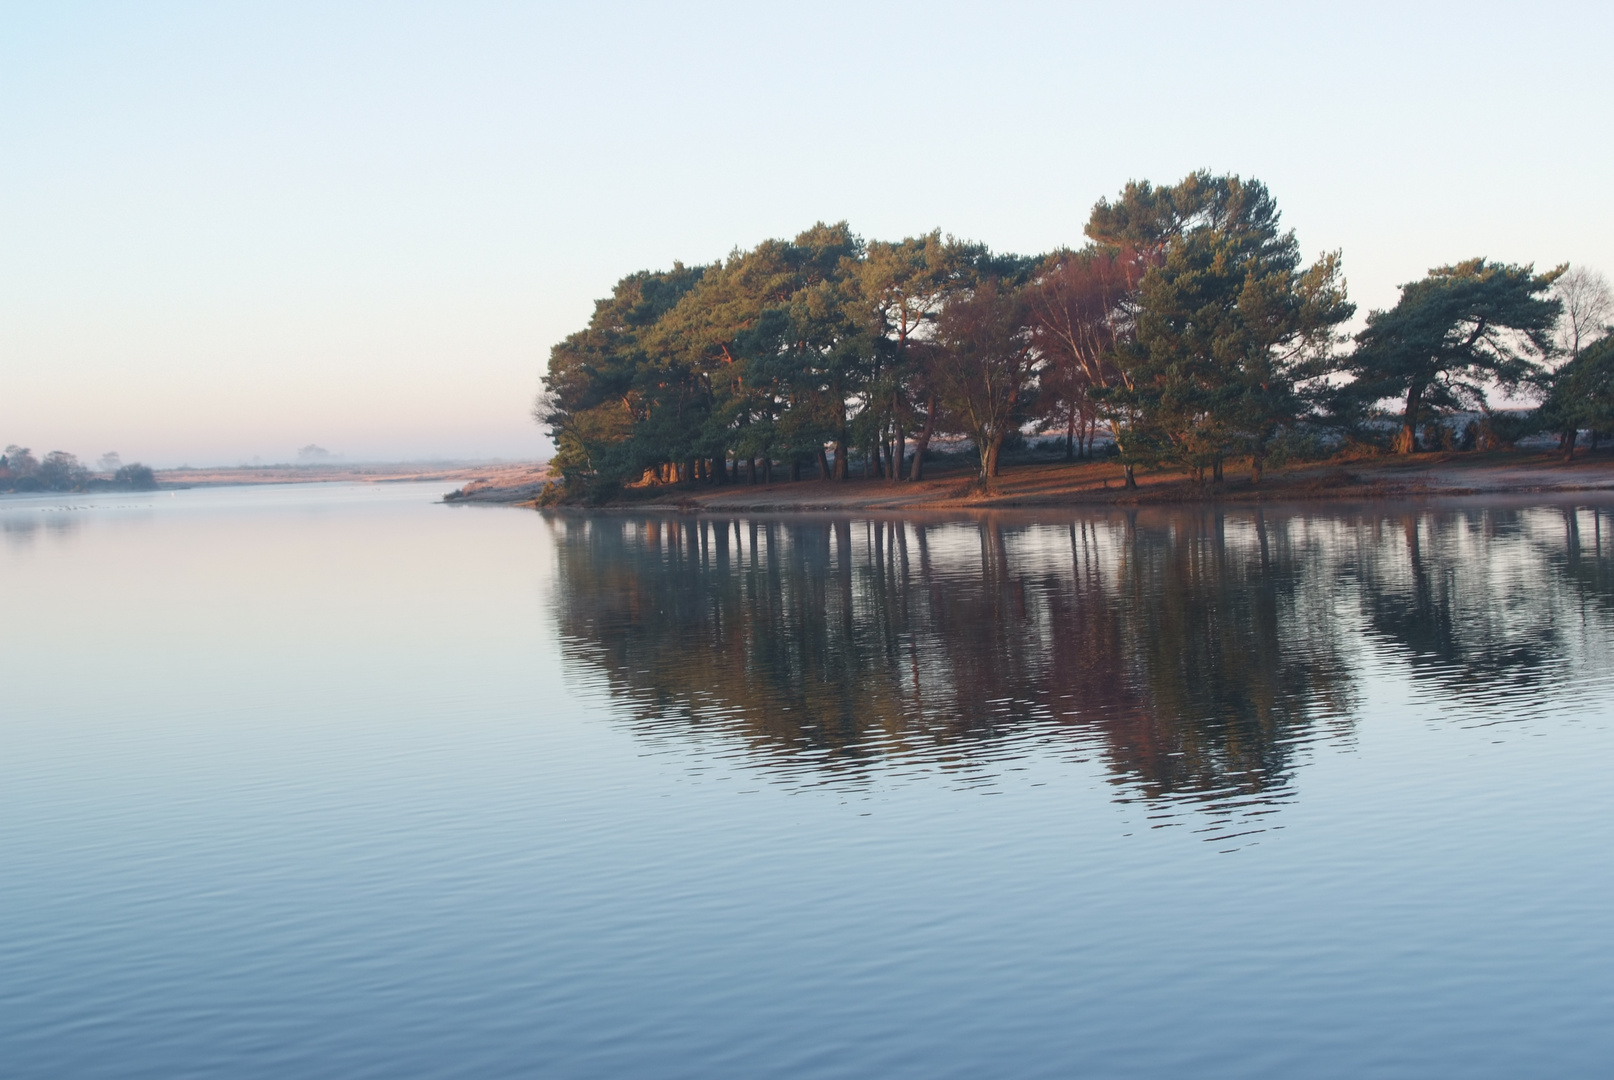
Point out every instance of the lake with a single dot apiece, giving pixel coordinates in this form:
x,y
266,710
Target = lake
x,y
336,781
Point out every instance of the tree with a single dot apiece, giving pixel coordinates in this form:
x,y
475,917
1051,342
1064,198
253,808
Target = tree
x,y
1451,333
773,341
135,477
61,471
1580,394
1228,324
1588,308
1080,304
595,389
902,287
20,460
985,364
767,353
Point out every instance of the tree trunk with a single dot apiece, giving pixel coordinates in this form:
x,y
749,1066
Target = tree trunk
x,y
989,458
1255,468
751,470
1131,477
1566,443
823,465
921,442
1406,441
1070,434
767,468
841,462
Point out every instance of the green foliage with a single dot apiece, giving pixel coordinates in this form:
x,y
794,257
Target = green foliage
x,y
774,354
1502,429
1298,444
602,381
1229,327
1190,328
1450,334
1580,395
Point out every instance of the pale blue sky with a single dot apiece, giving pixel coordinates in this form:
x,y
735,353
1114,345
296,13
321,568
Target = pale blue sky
x,y
230,230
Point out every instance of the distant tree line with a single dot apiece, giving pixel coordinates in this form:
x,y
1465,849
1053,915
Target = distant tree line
x,y
1188,329
61,471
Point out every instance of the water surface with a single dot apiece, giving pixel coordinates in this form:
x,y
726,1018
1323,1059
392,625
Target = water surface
x,y
334,781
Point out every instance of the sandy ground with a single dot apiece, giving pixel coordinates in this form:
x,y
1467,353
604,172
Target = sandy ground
x,y
1100,482
479,481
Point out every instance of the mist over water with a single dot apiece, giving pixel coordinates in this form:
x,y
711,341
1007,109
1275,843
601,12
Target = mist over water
x,y
335,781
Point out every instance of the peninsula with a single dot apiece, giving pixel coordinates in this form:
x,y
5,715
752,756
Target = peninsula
x,y
1187,351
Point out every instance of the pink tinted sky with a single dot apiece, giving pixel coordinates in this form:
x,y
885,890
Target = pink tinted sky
x,y
229,231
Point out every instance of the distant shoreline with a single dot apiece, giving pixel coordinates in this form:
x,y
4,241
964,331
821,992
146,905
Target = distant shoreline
x,y
952,485
515,477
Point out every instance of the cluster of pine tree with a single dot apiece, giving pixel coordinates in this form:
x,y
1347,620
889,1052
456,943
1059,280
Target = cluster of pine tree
x,y
1189,330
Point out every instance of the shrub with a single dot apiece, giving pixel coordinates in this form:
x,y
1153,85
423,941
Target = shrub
x,y
1503,429
1297,444
135,477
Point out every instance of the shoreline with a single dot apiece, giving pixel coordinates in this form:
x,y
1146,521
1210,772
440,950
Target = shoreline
x,y
508,482
507,475
1099,483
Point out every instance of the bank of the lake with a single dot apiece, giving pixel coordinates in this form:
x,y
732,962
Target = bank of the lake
x,y
1101,482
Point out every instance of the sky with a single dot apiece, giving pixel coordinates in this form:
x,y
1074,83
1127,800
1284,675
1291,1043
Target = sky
x,y
228,231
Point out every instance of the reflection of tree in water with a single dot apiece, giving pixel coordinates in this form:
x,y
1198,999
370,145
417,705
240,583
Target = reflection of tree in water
x,y
22,526
1577,543
1193,650
1488,604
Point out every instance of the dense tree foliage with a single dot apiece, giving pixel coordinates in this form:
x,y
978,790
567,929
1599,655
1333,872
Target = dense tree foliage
x,y
61,471
1229,327
1453,332
1580,395
1189,327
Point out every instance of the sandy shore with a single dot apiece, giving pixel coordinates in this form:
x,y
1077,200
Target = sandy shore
x,y
1101,482
511,481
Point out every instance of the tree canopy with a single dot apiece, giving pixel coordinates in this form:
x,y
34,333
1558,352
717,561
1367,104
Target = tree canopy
x,y
1229,326
1580,394
1461,327
1189,326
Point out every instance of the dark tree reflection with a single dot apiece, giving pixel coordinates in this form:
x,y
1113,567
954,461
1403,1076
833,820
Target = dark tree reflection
x,y
1492,606
1196,651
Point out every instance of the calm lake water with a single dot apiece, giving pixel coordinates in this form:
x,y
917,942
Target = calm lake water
x,y
333,781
